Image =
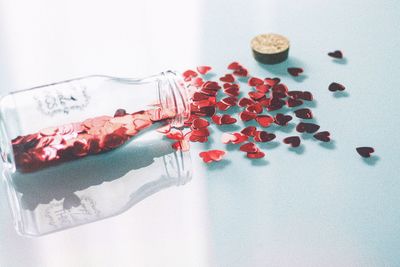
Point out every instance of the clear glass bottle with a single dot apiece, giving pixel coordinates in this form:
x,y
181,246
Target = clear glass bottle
x,y
81,150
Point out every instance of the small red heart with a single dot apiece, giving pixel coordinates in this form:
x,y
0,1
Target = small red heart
x,y
240,138
263,136
295,71
234,66
216,119
175,134
227,78
257,108
323,136
365,151
200,132
263,88
227,119
222,106
336,54
200,123
264,120
333,87
210,85
294,141
293,102
255,155
197,96
244,102
272,81
253,81
307,127
230,101
241,72
280,88
247,115
189,74
212,155
248,147
197,82
207,111
256,95
304,113
198,138
232,91
307,96
249,131
282,119
203,69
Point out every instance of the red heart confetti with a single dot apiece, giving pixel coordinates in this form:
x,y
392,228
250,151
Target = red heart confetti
x,y
263,136
227,78
57,144
336,54
253,81
304,113
212,155
200,123
249,147
249,131
295,71
294,102
323,136
264,120
189,74
365,151
307,127
234,66
203,70
282,119
272,81
247,115
294,141
333,87
227,119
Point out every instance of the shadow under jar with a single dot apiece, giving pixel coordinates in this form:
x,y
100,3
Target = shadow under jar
x,y
61,142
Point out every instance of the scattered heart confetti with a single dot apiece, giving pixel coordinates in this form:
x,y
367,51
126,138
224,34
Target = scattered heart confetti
x,y
247,115
263,136
336,54
227,78
249,147
307,127
365,151
253,81
323,136
212,155
249,130
208,98
203,70
227,119
256,155
294,141
304,113
264,120
282,119
333,87
295,71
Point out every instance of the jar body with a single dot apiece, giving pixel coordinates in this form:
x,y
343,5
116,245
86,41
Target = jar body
x,y
85,149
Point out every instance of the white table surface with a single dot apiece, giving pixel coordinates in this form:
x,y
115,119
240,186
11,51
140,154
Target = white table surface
x,y
322,207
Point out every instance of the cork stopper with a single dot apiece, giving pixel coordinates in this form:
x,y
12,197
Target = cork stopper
x,y
270,48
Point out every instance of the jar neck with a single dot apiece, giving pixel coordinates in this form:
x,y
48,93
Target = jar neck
x,y
174,98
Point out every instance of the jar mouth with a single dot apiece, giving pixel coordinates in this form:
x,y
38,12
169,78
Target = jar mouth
x,y
176,98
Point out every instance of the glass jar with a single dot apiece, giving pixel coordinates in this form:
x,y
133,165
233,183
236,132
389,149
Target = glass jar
x,y
84,149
